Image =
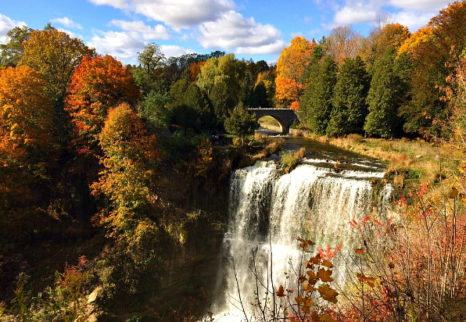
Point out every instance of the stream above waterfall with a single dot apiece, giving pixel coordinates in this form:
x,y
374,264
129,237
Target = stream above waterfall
x,y
269,209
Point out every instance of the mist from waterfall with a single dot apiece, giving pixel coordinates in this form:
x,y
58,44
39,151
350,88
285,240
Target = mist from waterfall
x,y
268,211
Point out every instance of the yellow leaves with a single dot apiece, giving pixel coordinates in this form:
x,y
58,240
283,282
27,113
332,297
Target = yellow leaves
x,y
328,293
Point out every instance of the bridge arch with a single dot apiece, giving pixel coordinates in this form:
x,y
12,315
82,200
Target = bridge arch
x,y
284,116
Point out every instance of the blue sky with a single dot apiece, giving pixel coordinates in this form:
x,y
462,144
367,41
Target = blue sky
x,y
256,29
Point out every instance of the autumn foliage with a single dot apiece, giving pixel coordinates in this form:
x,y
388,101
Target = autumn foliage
x,y
97,85
25,112
290,67
125,180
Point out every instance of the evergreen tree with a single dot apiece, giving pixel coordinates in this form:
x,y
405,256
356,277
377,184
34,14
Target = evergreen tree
x,y
388,89
258,97
349,98
316,102
222,100
198,101
241,123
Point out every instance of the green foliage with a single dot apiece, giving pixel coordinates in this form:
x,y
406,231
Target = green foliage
x,y
241,123
291,159
385,96
349,98
12,51
225,75
259,96
153,110
316,102
222,100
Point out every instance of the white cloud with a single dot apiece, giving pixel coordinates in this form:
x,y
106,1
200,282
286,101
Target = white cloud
x,y
126,45
422,5
67,22
6,24
233,31
411,13
174,51
72,34
175,13
412,19
122,45
354,15
145,31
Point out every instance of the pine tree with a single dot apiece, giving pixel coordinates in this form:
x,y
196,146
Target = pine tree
x,y
349,98
316,102
388,88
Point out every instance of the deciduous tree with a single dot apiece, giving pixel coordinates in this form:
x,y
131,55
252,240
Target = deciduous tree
x,y
290,67
97,84
55,55
12,51
126,181
342,43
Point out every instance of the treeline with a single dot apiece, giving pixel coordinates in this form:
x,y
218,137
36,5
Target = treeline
x,y
391,83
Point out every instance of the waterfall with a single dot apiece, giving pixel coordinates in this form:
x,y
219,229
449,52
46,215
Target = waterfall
x,y
269,210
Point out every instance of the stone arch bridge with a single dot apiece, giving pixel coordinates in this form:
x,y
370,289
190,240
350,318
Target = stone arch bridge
x,y
285,116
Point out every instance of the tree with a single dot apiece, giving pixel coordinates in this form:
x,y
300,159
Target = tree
x,y
27,146
26,114
151,57
148,76
316,102
221,79
221,100
342,43
374,46
258,97
241,123
385,96
55,55
97,85
12,51
268,79
290,67
152,109
198,101
126,181
349,98
434,51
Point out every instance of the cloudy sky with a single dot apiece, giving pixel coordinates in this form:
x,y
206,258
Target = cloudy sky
x,y
256,29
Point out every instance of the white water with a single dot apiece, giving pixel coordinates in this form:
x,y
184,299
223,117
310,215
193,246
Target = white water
x,y
269,210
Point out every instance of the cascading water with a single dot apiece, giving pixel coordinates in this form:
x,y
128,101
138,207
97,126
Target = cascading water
x,y
268,211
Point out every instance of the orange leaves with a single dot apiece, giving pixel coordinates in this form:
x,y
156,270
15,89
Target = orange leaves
x,y
26,112
290,67
328,293
129,152
324,275
280,292
97,84
295,106
359,251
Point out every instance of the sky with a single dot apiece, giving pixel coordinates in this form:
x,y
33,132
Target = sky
x,y
251,29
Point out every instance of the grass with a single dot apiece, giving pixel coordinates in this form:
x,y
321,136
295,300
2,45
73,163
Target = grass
x,y
417,160
291,159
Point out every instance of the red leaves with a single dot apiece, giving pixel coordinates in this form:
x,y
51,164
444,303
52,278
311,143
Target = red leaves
x,y
423,190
